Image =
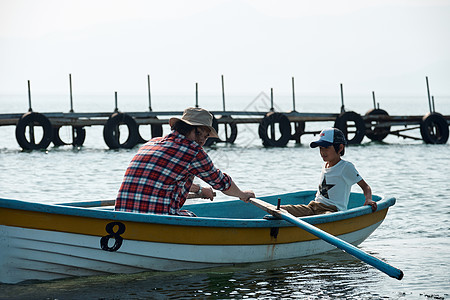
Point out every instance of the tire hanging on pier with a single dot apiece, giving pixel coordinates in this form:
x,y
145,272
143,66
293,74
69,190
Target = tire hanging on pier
x,y
269,122
78,136
376,131
230,129
434,129
156,130
360,127
32,120
111,132
215,125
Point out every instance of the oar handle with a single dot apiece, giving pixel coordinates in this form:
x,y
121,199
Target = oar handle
x,y
267,207
341,244
195,195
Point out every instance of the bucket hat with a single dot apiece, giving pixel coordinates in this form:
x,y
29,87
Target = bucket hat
x,y
196,116
328,137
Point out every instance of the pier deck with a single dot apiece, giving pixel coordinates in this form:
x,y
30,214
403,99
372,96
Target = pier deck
x,y
275,129
355,126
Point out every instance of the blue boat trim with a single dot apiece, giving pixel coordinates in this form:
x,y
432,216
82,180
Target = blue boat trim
x,y
236,213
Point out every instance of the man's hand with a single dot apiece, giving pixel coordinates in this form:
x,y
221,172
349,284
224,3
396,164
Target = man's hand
x,y
207,193
247,195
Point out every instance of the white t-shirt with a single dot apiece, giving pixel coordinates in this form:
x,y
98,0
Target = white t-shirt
x,y
335,184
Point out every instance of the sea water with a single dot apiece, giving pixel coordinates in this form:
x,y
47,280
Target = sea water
x,y
414,237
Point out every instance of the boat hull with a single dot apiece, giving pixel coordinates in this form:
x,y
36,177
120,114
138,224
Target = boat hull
x,y
49,242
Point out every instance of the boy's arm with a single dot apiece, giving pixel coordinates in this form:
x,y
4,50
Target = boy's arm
x,y
367,194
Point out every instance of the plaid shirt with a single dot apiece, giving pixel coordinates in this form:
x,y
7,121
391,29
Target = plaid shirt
x,y
160,175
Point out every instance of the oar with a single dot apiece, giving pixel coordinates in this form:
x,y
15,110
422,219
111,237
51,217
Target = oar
x,y
343,245
95,203
99,203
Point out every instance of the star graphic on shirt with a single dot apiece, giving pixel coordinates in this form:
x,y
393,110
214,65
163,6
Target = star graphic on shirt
x,y
324,188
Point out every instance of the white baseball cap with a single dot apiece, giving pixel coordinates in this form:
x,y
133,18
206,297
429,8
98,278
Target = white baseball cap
x,y
328,137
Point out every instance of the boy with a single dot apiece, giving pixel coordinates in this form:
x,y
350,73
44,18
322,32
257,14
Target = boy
x,y
336,180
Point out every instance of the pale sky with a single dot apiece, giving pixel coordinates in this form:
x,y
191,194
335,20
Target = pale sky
x,y
387,46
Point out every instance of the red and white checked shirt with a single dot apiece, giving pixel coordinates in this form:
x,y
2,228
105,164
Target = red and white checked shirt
x,y
160,175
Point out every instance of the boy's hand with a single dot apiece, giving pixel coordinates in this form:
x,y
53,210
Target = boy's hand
x,y
371,203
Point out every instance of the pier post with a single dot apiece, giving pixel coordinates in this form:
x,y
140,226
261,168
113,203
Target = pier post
x,y
293,95
342,99
29,97
271,99
223,103
149,94
223,94
428,91
374,102
272,125
196,94
70,91
432,101
116,109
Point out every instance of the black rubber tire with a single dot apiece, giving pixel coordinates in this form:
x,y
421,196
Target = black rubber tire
x,y
341,123
34,119
434,129
111,133
78,136
211,141
155,129
230,130
284,126
377,132
233,132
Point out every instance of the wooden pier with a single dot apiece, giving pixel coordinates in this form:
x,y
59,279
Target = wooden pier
x,y
38,130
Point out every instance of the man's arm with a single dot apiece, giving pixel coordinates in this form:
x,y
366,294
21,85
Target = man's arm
x,y
202,192
235,191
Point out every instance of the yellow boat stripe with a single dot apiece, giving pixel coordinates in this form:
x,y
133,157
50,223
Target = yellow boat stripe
x,y
196,235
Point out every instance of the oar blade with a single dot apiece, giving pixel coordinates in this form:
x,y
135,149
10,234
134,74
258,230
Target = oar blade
x,y
337,242
345,246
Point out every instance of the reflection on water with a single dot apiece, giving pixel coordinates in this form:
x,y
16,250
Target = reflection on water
x,y
333,275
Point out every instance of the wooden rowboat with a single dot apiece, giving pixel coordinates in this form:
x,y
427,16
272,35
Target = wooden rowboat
x,y
45,241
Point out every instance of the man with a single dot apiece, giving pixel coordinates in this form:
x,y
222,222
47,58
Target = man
x,y
159,177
